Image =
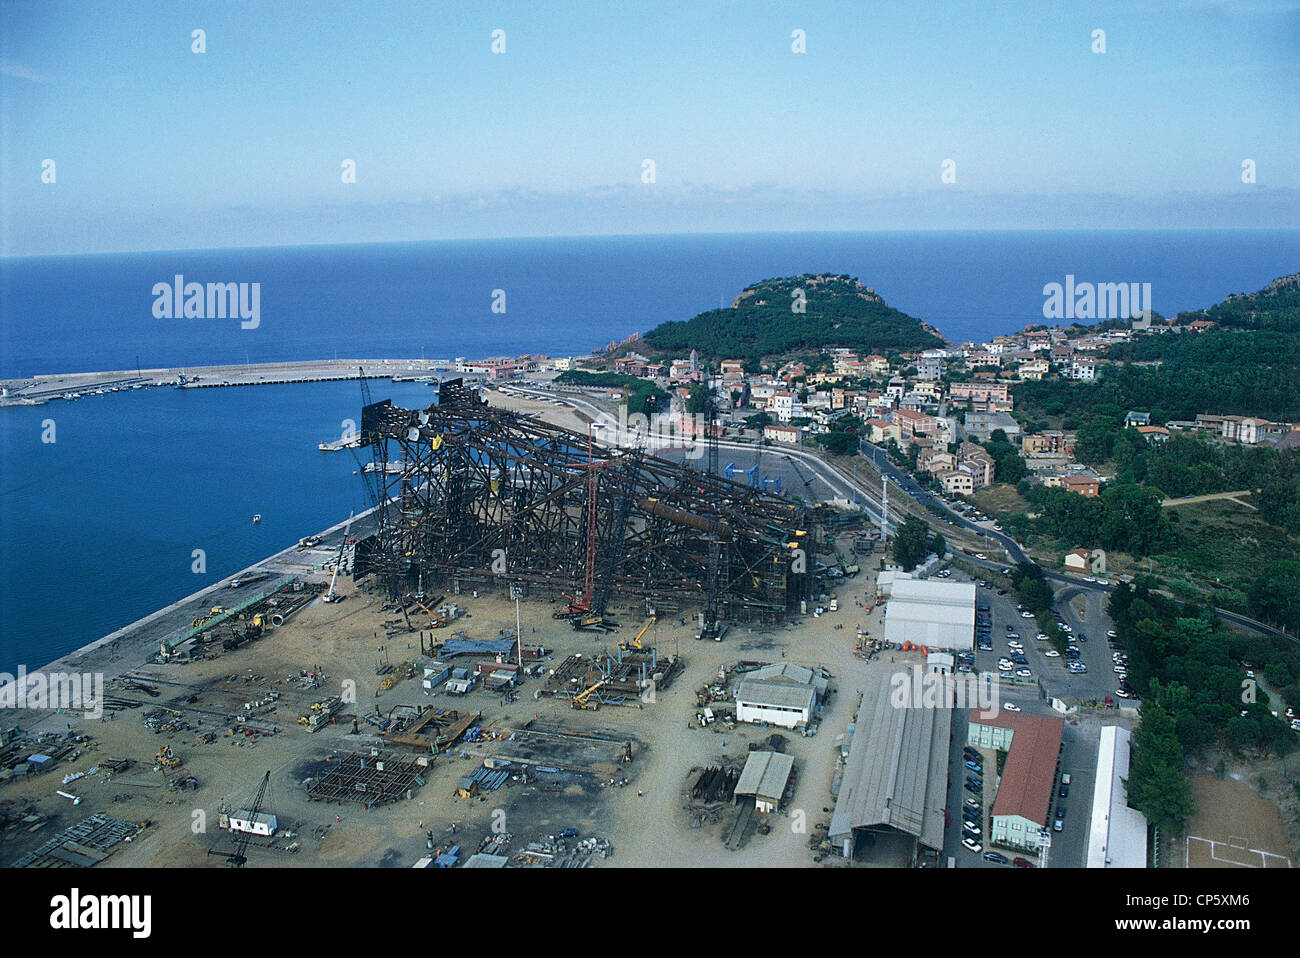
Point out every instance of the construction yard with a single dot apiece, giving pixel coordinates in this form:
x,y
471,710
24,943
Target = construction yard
x,y
366,777
323,719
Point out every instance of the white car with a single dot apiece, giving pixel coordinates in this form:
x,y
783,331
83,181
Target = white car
x,y
1015,644
1089,578
1026,614
980,555
1011,707
1041,637
1122,694
1119,669
1103,582
972,845
1110,634
1005,666
1052,654
1024,673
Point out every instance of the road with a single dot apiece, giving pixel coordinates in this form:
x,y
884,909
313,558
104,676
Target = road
x,y
842,486
1189,500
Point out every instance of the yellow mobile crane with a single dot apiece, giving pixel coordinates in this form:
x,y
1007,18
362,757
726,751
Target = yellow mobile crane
x,y
583,700
636,642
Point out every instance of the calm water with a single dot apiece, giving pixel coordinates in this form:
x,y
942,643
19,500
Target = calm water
x,y
99,527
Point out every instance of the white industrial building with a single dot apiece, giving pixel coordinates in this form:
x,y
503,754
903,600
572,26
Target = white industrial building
x,y
259,824
786,704
1118,838
933,613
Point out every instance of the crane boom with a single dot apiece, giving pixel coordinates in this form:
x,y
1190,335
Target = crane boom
x,y
237,858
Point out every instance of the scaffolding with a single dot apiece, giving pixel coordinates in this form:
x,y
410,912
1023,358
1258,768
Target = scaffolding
x,y
486,495
368,780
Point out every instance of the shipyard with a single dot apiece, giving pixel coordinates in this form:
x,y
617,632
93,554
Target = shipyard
x,y
551,636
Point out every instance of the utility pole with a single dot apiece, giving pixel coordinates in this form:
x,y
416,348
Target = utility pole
x,y
519,631
884,508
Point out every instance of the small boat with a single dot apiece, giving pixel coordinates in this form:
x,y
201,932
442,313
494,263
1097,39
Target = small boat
x,y
257,517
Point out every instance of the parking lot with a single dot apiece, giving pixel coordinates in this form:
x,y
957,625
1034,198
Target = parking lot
x,y
1049,678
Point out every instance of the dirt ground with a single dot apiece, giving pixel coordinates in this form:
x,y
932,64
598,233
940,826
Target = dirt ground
x,y
1234,827
645,820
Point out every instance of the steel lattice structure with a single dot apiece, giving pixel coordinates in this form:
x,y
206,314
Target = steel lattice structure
x,y
479,494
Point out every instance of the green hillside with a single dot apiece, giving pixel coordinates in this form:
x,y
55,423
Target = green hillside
x,y
762,322
1276,306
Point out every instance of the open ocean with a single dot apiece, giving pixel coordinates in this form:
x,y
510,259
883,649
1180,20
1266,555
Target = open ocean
x,y
98,528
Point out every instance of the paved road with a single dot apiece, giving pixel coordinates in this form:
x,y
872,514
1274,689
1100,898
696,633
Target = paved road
x,y
844,486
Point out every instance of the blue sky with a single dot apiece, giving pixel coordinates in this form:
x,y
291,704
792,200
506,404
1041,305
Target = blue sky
x,y
157,147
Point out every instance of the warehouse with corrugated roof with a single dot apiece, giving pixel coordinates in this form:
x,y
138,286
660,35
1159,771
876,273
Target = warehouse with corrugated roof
x,y
935,614
893,794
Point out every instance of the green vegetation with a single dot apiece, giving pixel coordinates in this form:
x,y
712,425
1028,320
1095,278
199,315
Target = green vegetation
x,y
1008,466
1194,668
1125,517
1191,466
843,436
1276,306
1197,694
1032,589
910,543
643,396
1231,373
839,311
1157,785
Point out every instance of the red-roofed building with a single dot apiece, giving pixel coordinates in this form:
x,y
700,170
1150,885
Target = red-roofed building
x,y
1022,807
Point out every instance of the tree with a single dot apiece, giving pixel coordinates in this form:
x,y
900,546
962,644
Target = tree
x,y
839,443
700,401
1008,465
1275,595
910,547
1157,786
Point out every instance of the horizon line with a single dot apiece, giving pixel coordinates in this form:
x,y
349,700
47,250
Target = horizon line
x,y
10,257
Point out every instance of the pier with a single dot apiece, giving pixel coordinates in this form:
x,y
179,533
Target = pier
x,y
38,390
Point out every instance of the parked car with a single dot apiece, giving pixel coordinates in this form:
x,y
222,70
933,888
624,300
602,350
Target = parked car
x,y
1024,673
1011,706
971,845
996,858
977,789
1022,862
1052,654
1058,825
1060,811
975,767
1064,791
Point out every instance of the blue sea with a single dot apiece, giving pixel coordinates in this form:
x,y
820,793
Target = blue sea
x,y
98,528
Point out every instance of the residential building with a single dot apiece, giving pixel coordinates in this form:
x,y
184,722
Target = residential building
x,y
981,425
956,482
1081,485
976,460
782,433
1078,560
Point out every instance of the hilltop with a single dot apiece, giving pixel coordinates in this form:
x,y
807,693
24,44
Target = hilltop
x,y
761,322
1276,306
